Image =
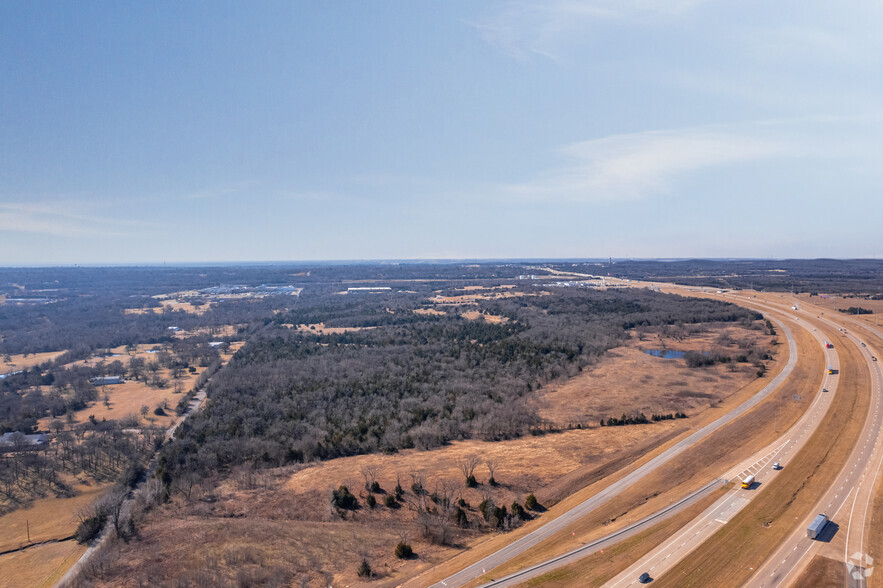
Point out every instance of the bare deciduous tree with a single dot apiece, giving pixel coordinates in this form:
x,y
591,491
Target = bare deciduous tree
x,y
369,472
467,466
491,468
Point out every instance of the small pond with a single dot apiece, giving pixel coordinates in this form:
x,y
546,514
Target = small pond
x,y
665,353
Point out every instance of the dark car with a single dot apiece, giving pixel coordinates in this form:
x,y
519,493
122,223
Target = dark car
x,y
644,578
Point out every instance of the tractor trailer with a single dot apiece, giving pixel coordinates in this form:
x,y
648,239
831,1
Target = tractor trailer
x,y
817,526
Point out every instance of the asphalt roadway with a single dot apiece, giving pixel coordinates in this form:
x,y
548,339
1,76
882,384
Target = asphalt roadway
x,y
668,554
846,503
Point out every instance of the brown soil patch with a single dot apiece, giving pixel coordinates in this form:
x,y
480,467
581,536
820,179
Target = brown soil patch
x,y
823,572
39,566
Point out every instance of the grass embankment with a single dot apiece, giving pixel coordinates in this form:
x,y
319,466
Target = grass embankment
x,y
729,557
47,519
694,467
600,567
823,572
38,566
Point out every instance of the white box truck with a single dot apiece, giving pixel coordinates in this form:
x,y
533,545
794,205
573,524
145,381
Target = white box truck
x,y
817,526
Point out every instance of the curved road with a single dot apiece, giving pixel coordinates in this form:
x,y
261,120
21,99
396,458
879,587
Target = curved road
x,y
846,503
672,551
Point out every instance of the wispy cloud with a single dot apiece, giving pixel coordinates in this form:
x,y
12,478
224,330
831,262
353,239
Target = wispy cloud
x,y
522,29
220,191
60,219
632,166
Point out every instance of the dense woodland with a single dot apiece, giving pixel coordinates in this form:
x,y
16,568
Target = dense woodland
x,y
410,380
404,380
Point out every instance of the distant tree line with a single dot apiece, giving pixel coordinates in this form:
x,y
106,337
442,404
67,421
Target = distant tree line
x,y
640,419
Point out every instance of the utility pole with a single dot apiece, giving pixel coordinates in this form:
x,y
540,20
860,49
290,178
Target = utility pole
x,y
28,524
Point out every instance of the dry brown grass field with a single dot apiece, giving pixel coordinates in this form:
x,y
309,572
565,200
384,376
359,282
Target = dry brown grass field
x,y
823,572
219,332
522,465
49,518
21,362
474,315
291,505
752,535
630,381
172,304
834,302
430,311
475,297
39,566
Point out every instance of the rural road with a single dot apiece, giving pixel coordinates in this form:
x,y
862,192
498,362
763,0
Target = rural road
x,y
542,533
195,404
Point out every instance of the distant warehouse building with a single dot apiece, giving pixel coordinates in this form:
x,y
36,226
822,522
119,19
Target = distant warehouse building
x,y
107,380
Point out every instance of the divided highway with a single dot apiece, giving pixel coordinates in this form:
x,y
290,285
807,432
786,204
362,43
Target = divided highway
x,y
846,503
848,498
542,533
667,555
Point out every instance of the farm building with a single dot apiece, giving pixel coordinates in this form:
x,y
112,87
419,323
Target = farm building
x,y
20,441
107,380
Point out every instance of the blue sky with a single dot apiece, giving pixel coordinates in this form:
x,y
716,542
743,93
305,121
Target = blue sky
x,y
221,131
